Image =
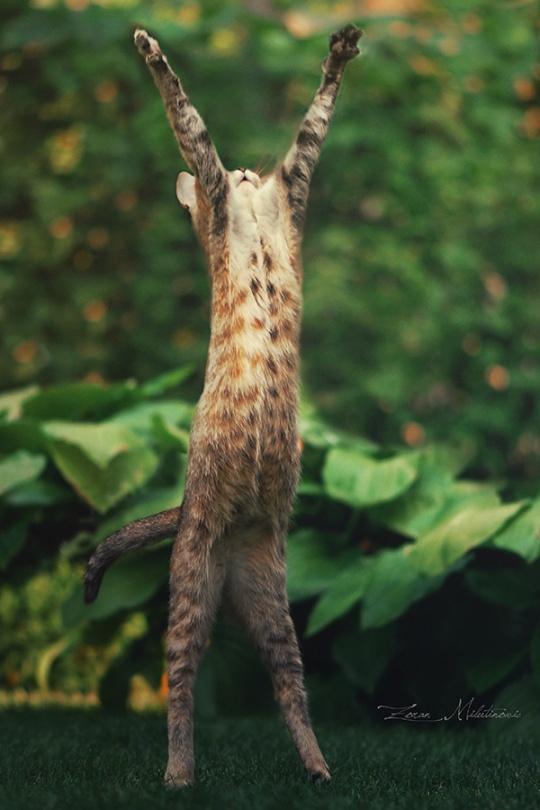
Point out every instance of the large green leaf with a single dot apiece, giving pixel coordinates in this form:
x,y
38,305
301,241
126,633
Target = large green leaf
x,y
19,468
431,500
164,382
141,418
128,584
394,584
100,443
77,400
23,434
102,488
522,535
459,532
312,563
347,589
361,481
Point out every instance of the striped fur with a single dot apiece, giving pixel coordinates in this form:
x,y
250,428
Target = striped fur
x,y
244,459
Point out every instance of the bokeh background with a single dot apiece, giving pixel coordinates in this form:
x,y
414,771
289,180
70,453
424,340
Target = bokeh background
x,y
421,328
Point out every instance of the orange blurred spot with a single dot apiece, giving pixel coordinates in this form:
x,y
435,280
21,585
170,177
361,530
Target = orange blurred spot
x,y
413,433
164,686
189,13
300,445
299,24
94,311
530,123
380,8
97,237
183,338
474,84
26,351
366,545
472,23
497,377
126,200
400,28
94,377
525,89
422,33
10,239
372,208
77,5
106,91
495,285
61,228
449,46
423,66
11,61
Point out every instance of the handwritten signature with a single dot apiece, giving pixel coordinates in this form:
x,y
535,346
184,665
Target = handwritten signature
x,y
464,710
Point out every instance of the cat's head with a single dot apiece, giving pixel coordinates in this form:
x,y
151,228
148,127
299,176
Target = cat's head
x,y
243,182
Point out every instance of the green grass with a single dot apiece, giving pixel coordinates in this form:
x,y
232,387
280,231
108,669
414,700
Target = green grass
x,y
54,758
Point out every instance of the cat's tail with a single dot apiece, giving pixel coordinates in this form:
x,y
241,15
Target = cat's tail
x,y
134,535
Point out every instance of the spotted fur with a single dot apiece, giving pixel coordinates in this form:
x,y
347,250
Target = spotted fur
x,y
244,459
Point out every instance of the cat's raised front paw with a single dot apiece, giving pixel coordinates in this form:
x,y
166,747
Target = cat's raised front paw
x,y
343,43
147,46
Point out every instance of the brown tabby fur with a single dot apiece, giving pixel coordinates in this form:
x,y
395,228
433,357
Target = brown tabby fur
x,y
244,460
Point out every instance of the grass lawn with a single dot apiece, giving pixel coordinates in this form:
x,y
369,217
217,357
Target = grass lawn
x,y
68,758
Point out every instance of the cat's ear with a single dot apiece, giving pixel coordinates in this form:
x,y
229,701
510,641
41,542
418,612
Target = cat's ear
x,y
185,190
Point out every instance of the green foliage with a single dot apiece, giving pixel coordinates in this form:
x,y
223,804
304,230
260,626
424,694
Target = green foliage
x,y
378,539
421,282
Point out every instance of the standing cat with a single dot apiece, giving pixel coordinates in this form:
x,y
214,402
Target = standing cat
x,y
244,460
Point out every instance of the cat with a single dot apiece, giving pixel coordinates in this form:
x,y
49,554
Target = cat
x,y
244,454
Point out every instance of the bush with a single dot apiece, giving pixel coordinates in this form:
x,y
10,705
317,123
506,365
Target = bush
x,y
397,563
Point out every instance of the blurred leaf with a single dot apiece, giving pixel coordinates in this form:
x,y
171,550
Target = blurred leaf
x,y
11,402
360,481
100,443
454,535
312,563
394,585
19,468
24,434
140,418
130,582
522,535
431,500
164,382
38,493
347,588
102,488
77,400
317,433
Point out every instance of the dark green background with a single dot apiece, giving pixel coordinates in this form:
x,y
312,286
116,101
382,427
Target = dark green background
x,y
421,326
422,239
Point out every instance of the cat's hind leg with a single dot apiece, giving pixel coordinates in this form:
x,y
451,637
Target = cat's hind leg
x,y
256,591
196,579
